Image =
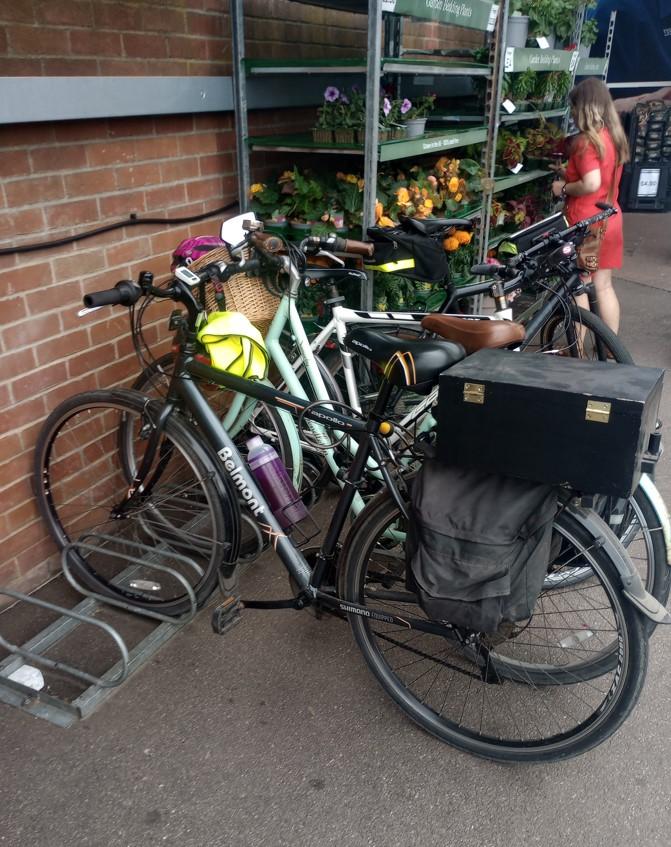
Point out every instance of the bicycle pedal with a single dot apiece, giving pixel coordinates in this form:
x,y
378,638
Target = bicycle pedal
x,y
226,615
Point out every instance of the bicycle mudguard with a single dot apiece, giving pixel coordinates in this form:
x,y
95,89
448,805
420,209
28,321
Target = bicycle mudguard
x,y
632,584
659,506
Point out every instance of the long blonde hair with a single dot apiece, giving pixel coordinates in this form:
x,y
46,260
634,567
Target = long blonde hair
x,y
593,110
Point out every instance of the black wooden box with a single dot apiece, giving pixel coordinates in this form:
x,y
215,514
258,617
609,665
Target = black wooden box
x,y
549,419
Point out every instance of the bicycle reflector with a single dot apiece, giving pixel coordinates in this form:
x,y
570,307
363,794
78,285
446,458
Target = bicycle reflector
x,y
235,345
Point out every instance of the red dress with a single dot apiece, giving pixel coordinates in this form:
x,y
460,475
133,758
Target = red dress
x,y
583,159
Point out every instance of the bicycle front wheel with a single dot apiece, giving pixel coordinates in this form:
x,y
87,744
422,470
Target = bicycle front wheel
x,y
81,476
540,694
594,340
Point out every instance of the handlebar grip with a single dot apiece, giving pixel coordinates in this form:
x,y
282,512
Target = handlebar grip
x,y
359,248
601,204
124,293
268,242
485,270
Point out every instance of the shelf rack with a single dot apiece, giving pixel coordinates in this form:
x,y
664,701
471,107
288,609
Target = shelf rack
x,y
481,15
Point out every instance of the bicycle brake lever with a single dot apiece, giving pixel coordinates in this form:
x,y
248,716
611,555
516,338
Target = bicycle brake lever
x,y
332,257
83,312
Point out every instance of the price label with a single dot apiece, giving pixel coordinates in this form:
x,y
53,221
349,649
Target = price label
x,y
509,60
388,5
493,15
574,61
543,43
509,106
648,182
518,167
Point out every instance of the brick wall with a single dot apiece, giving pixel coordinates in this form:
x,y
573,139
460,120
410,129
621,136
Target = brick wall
x,y
63,178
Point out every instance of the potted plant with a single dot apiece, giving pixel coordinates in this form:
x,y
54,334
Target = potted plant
x,y
306,201
270,206
357,105
510,149
327,116
390,123
416,115
521,87
562,87
349,198
588,36
518,25
542,14
344,127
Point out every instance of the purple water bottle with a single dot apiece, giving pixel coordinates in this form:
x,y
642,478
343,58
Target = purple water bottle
x,y
275,483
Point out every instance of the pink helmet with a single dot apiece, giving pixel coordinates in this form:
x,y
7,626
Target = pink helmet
x,y
190,249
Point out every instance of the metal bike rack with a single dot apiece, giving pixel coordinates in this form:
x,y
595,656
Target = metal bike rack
x,y
58,710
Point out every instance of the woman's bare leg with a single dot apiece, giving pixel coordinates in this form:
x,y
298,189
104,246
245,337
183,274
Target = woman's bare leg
x,y
609,305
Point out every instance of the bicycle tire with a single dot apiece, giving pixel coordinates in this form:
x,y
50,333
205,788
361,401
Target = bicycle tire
x,y
79,477
555,328
620,688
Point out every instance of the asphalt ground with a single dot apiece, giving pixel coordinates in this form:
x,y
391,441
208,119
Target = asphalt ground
x,y
276,734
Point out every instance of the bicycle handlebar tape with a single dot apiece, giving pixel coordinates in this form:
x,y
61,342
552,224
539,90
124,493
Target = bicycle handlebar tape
x,y
359,248
124,293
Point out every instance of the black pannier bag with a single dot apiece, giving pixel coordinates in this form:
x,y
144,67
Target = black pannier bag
x,y
478,545
587,426
407,254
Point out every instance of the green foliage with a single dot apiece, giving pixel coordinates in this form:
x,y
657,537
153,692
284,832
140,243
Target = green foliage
x,y
522,85
306,201
590,32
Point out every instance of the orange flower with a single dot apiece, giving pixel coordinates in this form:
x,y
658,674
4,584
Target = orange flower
x,y
451,244
360,184
340,175
379,210
453,184
385,221
462,236
403,196
458,197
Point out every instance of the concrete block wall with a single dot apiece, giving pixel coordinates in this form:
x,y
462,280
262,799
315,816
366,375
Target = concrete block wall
x,y
58,179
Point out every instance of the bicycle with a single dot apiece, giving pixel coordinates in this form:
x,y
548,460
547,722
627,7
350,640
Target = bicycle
x,y
642,522
182,497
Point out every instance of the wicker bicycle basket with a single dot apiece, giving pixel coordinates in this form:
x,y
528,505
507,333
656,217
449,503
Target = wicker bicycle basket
x,y
242,293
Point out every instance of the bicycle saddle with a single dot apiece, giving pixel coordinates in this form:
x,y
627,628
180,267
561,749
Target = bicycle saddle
x,y
412,364
434,227
473,333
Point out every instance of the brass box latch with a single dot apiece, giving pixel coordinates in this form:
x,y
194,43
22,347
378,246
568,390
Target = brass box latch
x,y
598,411
474,392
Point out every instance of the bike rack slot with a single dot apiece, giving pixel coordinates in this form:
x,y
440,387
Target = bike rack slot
x,y
61,711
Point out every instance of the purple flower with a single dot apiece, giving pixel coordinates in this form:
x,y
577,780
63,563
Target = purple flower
x,y
406,105
386,106
344,100
331,94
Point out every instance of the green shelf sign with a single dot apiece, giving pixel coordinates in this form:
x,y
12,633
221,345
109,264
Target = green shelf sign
x,y
591,67
474,14
537,59
427,144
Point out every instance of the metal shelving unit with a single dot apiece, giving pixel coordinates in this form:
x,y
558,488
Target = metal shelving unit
x,y
384,56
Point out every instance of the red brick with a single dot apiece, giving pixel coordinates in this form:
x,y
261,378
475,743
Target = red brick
x,y
35,574
88,42
25,222
30,331
173,124
69,67
23,514
25,192
203,189
63,345
10,446
160,199
25,135
145,46
89,183
80,264
21,67
111,152
186,47
89,361
64,13
14,163
131,250
5,395
198,144
219,163
71,214
27,277
122,204
159,147
132,127
59,158
16,363
124,67
74,132
35,41
210,26
121,18
177,170
10,10
137,176
20,415
39,380
163,20
106,330
12,309
56,297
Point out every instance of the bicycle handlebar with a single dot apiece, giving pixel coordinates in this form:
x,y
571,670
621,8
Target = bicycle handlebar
x,y
339,245
124,293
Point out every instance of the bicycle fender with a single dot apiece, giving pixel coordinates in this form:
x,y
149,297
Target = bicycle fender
x,y
632,585
659,507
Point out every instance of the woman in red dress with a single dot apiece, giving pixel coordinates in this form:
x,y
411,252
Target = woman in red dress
x,y
593,175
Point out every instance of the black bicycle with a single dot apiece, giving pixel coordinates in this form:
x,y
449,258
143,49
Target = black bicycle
x,y
538,692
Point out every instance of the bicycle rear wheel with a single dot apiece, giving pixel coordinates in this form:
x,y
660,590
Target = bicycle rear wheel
x,y
543,690
598,343
81,476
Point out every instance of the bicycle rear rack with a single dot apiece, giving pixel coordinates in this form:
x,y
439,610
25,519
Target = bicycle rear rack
x,y
61,711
